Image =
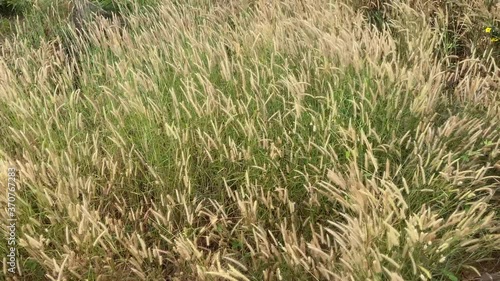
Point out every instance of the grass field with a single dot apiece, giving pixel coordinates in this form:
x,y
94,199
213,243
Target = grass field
x,y
253,140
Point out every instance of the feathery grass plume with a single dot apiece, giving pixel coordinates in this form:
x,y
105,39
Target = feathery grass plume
x,y
84,14
321,148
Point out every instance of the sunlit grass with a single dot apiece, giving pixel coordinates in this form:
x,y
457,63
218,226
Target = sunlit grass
x,y
289,144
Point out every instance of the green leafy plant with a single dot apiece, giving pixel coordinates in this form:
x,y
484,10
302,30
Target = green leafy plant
x,y
494,33
449,275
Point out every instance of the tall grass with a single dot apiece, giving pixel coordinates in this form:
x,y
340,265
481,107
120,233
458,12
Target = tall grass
x,y
262,140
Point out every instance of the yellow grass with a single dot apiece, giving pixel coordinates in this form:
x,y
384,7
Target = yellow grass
x,y
257,140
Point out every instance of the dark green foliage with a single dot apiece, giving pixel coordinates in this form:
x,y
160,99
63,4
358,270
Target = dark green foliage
x,y
14,7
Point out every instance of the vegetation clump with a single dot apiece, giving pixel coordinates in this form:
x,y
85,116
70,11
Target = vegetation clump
x,y
252,140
